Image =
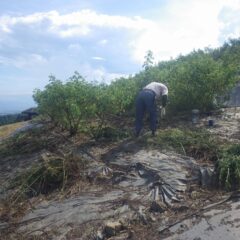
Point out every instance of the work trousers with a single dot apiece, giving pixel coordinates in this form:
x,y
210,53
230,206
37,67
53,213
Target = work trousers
x,y
145,102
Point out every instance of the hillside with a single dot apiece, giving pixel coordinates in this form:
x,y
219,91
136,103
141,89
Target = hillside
x,y
7,130
56,186
78,171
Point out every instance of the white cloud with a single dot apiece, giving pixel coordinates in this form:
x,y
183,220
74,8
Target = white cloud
x,y
75,23
188,25
99,74
26,60
103,42
75,47
74,31
230,19
98,58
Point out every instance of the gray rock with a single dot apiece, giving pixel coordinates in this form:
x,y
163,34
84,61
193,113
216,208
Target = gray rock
x,y
112,228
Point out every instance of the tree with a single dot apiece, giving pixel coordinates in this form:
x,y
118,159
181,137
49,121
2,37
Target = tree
x,y
148,63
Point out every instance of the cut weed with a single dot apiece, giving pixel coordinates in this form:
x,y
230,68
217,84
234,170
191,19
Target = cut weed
x,y
55,172
198,143
29,141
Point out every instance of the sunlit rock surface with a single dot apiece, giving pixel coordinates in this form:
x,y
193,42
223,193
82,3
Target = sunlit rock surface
x,y
131,185
220,222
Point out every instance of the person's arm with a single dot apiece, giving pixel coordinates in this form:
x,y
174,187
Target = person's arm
x,y
164,103
164,100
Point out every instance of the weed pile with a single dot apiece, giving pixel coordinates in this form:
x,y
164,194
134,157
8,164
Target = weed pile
x,y
205,147
109,133
31,141
53,173
197,143
57,168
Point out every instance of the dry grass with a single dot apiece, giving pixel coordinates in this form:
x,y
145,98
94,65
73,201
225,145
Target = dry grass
x,y
7,130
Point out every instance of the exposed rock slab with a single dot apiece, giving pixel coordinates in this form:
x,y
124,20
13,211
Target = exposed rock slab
x,y
74,211
134,184
222,222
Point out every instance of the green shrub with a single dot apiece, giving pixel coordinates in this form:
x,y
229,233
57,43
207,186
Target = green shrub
x,y
122,94
68,105
234,149
196,80
229,167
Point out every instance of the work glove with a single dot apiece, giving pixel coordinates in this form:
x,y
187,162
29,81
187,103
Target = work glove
x,y
163,112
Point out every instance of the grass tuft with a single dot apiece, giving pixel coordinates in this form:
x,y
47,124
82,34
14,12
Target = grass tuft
x,y
7,130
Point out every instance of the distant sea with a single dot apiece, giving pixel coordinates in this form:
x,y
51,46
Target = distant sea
x,y
15,104
8,113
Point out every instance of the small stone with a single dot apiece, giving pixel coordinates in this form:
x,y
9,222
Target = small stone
x,y
112,228
153,219
195,195
99,235
157,206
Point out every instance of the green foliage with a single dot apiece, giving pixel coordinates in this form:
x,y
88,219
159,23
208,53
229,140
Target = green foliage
x,y
68,105
9,118
194,81
77,104
122,93
148,60
229,55
229,167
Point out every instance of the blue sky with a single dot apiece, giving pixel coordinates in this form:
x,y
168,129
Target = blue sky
x,y
101,39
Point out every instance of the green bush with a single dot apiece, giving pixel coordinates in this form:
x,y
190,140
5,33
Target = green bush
x,y
229,167
68,105
78,104
194,81
122,94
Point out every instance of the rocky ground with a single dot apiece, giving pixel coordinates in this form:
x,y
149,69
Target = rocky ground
x,y
130,192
